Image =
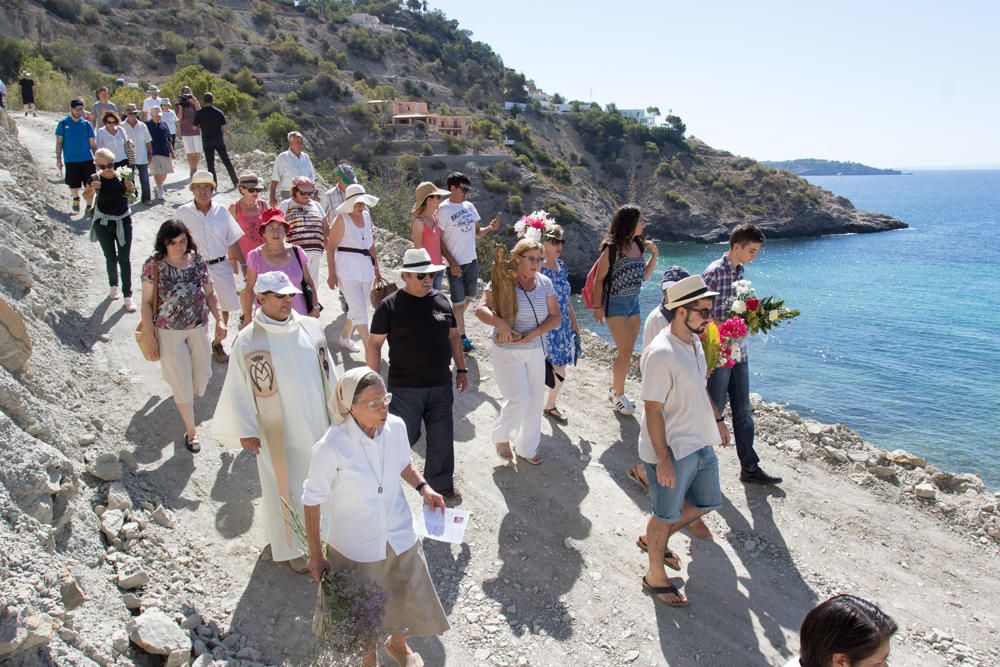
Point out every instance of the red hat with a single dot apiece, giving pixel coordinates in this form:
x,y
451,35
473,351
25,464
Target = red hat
x,y
272,215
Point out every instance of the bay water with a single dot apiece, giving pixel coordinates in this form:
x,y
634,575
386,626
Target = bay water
x,y
898,336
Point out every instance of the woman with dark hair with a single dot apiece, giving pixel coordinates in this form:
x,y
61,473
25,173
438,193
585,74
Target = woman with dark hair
x,y
177,325
110,136
621,271
845,631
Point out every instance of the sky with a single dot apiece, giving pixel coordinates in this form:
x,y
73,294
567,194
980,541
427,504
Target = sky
x,y
888,83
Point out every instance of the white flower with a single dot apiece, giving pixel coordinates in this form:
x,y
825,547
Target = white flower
x,y
743,288
533,234
773,315
737,354
739,307
519,228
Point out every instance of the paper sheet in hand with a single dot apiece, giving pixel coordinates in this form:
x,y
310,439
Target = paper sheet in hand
x,y
447,526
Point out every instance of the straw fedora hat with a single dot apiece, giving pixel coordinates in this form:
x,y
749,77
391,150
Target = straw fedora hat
x,y
425,190
686,290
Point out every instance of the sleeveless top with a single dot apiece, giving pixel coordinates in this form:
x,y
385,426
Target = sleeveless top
x,y
292,269
353,265
430,239
250,224
627,275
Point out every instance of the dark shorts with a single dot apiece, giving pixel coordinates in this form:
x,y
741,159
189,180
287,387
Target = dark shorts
x,y
78,173
696,479
464,287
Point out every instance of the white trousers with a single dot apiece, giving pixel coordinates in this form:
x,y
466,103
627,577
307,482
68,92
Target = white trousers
x,y
357,294
520,374
315,258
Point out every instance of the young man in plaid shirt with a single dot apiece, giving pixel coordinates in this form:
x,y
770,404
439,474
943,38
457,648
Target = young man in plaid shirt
x,y
744,245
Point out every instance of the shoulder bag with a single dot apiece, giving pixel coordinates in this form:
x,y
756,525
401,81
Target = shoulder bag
x,y
550,371
307,291
140,331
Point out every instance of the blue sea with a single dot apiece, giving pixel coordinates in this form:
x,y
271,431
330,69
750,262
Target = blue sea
x,y
898,336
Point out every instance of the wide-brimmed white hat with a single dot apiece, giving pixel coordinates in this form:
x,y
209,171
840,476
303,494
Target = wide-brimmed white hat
x,y
352,195
418,260
687,290
275,281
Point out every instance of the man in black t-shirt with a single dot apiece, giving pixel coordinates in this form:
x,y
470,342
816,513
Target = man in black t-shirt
x,y
212,123
419,324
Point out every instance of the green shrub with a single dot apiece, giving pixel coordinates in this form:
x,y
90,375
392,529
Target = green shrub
x,y
361,43
53,89
651,148
262,16
227,96
561,172
515,204
454,145
438,165
13,52
664,169
410,166
69,10
494,184
89,15
276,128
427,149
562,213
676,199
381,147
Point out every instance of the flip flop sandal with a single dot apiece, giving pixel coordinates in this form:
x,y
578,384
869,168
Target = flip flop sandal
x,y
534,460
638,480
504,451
670,559
404,659
192,445
556,416
657,591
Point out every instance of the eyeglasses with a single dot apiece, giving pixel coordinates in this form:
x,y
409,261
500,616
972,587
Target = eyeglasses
x,y
706,313
280,296
532,259
105,166
307,193
377,403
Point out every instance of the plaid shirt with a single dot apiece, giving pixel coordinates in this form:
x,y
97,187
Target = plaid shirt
x,y
720,276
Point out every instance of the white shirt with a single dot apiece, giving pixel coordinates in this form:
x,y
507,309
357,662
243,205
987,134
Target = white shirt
x,y
287,166
655,323
673,373
140,137
214,232
113,142
345,474
170,118
458,229
149,103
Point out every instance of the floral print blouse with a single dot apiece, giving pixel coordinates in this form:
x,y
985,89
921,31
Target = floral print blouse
x,y
181,301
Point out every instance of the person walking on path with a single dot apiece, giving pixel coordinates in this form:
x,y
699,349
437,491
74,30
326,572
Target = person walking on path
x,y
103,105
28,91
170,118
175,321
247,211
334,197
733,383
75,146
424,230
161,162
559,343
460,229
352,261
307,221
289,164
680,427
419,325
138,133
152,99
111,136
355,484
518,358
111,224
276,254
212,123
621,271
274,404
217,235
187,107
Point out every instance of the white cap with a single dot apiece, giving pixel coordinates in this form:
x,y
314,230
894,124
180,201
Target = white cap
x,y
275,281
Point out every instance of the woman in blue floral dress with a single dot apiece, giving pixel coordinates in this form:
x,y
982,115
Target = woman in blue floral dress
x,y
559,344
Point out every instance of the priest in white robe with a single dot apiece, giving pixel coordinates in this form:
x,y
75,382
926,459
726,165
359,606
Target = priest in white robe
x,y
274,403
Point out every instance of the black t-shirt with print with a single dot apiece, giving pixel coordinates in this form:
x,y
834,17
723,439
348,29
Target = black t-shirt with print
x,y
210,121
418,330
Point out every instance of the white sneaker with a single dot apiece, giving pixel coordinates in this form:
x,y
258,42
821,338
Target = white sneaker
x,y
129,305
113,293
624,405
349,345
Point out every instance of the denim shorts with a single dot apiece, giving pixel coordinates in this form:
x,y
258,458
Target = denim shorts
x,y
696,479
622,306
464,287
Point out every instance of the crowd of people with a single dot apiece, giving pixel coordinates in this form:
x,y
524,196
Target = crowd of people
x,y
336,448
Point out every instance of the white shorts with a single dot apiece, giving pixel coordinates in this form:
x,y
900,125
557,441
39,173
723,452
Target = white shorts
x,y
192,144
356,293
185,361
224,283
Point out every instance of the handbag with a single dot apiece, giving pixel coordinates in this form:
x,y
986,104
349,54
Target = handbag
x,y
307,291
140,331
381,289
550,370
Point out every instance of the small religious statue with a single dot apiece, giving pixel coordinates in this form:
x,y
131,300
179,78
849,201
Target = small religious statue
x,y
503,288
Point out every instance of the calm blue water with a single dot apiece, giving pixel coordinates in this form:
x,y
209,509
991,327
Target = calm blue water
x,y
898,332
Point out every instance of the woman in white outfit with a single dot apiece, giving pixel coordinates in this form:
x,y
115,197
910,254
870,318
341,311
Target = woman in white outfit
x,y
518,358
352,262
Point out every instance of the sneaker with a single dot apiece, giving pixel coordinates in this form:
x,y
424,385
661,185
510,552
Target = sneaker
x,y
76,205
113,293
467,345
349,345
758,476
624,405
129,305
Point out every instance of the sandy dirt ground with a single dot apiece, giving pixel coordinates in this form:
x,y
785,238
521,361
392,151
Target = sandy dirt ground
x,y
550,574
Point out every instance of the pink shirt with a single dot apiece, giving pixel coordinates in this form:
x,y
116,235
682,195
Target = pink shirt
x,y
431,239
250,224
291,269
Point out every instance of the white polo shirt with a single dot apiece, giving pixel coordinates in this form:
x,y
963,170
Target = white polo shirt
x,y
213,232
287,166
673,373
345,473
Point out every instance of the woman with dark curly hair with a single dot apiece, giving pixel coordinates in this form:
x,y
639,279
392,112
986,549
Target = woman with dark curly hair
x,y
845,631
177,295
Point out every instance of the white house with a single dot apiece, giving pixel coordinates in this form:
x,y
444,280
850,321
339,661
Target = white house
x,y
520,106
644,117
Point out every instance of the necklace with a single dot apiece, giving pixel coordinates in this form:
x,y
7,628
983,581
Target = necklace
x,y
378,475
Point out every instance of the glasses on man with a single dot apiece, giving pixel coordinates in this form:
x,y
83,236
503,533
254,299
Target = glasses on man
x,y
377,403
705,313
533,259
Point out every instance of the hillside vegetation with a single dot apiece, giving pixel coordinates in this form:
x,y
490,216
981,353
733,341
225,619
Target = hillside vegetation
x,y
816,167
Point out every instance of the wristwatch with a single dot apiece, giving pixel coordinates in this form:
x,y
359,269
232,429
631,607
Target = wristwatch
x,y
419,487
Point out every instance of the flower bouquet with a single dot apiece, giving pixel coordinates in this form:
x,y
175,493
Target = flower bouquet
x,y
533,225
722,343
760,314
127,176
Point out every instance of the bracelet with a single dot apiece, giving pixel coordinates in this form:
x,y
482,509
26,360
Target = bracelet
x,y
461,370
420,486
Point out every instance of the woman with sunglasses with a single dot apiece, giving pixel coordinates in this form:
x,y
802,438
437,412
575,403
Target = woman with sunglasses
x,y
559,344
355,480
518,357
247,211
110,136
307,221
424,230
111,224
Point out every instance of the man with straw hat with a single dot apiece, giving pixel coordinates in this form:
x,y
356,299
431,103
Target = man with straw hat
x,y
217,235
274,404
680,427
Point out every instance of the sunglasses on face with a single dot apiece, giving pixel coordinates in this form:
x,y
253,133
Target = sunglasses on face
x,y
556,241
307,193
705,313
102,167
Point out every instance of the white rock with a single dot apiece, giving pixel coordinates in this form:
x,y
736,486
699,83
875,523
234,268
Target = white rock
x,y
131,601
192,621
131,530
106,467
631,656
119,641
155,632
857,455
163,516
902,457
118,497
925,491
482,653
111,524
178,658
131,575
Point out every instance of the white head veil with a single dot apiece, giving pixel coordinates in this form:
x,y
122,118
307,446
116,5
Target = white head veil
x,y
343,394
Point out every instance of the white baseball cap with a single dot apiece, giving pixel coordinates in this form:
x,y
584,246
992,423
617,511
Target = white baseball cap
x,y
275,281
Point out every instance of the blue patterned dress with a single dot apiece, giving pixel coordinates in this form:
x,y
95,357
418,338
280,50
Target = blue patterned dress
x,y
559,342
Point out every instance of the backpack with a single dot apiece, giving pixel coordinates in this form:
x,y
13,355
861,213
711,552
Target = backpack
x,y
588,287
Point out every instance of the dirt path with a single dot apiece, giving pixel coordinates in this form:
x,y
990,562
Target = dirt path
x,y
550,574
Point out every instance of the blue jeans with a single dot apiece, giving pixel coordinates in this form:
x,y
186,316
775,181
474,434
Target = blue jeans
x,y
433,407
735,382
143,171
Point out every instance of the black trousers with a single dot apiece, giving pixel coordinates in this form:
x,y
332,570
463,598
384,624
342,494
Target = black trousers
x,y
432,408
210,152
116,257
